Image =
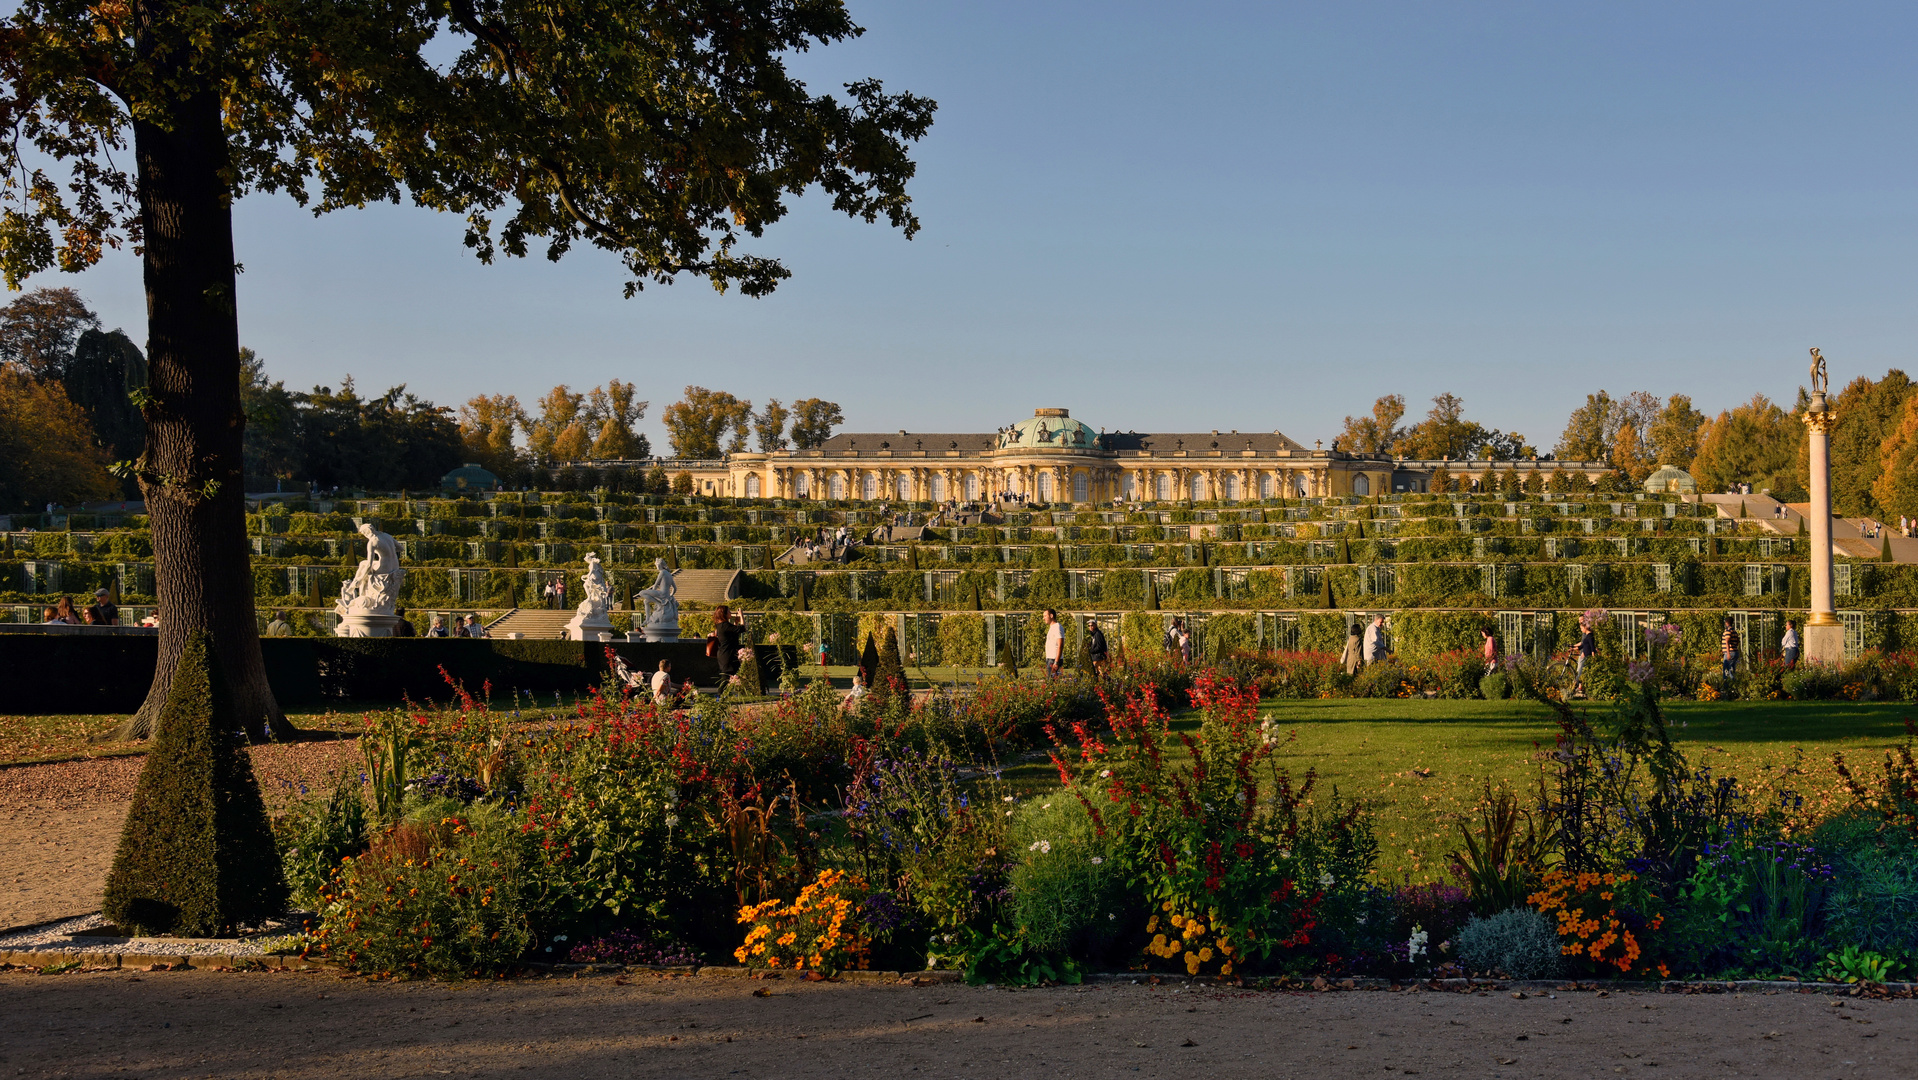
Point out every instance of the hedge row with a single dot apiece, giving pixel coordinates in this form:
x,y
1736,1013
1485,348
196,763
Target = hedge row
x,y
111,674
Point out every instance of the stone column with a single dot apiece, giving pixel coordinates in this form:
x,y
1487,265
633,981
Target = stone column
x,y
1824,633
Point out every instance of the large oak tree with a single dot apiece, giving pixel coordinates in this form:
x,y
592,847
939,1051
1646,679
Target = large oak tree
x,y
665,132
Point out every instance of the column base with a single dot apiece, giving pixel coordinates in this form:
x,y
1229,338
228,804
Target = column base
x,y
1825,644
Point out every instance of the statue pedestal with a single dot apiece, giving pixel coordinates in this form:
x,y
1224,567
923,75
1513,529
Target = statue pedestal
x,y
655,633
366,624
588,626
1825,644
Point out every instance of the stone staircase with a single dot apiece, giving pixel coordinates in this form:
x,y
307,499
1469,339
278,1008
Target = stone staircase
x,y
531,623
707,587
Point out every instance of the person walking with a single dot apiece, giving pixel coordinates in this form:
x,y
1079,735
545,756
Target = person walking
x,y
723,644
1789,644
1728,649
1354,655
278,626
1488,648
1096,646
1377,648
1055,644
1586,648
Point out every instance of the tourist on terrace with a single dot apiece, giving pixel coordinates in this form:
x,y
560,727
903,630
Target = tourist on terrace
x,y
1728,649
1354,655
1488,648
278,626
1586,649
1055,644
1376,647
103,612
473,627
438,629
63,612
1789,644
1096,645
723,644
665,692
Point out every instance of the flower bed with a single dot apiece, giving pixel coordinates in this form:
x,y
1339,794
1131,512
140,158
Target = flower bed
x,y
816,835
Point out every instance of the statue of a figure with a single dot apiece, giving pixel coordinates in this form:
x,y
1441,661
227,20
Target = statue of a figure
x,y
598,593
1819,380
662,609
376,584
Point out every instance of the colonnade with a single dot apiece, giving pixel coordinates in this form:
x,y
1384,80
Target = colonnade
x,y
1053,483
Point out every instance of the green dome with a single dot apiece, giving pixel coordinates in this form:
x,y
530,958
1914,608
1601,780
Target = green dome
x,y
1670,480
469,478
1049,429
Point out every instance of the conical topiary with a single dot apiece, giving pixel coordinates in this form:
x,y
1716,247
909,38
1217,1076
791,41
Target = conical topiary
x,y
804,600
1151,594
869,663
1884,551
1325,590
976,604
197,856
892,669
912,558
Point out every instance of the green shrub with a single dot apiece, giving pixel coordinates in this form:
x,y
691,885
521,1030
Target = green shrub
x,y
1521,943
962,639
1068,894
197,856
1496,686
315,834
431,898
1385,679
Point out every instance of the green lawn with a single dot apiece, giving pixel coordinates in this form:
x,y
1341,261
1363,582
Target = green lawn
x,y
1422,764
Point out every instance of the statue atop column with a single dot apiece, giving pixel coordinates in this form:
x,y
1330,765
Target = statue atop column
x,y
366,602
1820,382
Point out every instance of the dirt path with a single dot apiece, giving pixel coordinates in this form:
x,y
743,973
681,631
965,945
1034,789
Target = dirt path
x,y
180,1024
59,824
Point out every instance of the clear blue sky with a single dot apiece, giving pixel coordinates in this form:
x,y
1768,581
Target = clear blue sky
x,y
1252,216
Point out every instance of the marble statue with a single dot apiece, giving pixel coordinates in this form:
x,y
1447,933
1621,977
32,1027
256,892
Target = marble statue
x,y
590,619
662,608
1820,381
366,602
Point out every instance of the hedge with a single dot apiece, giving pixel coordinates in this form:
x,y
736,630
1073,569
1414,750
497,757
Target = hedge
x,y
111,674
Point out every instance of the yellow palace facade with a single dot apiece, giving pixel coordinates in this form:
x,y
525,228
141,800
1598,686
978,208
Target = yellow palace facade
x,y
1053,458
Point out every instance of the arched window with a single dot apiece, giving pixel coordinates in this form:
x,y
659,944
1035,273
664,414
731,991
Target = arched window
x,y
837,486
1081,487
1045,487
1164,485
972,486
938,486
905,488
1197,488
1265,485
752,485
869,487
801,487
1231,486
1129,487
1361,485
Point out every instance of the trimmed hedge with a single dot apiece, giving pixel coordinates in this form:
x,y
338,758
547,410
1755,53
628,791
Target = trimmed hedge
x,y
111,674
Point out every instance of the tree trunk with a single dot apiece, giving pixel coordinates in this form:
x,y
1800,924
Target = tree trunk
x,y
191,473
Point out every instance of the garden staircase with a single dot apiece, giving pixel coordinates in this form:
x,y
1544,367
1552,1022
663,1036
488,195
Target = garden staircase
x,y
538,623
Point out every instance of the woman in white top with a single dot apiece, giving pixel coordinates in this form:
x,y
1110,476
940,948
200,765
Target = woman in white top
x,y
664,692
1055,644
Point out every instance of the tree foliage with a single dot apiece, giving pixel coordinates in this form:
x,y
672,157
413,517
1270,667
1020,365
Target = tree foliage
x,y
1755,443
103,376
1896,488
394,441
707,424
1374,434
47,448
1674,432
38,330
614,410
813,421
769,426
664,133
1869,413
487,424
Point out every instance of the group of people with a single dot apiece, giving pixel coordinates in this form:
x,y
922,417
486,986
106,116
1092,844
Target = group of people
x,y
103,612
554,593
1366,644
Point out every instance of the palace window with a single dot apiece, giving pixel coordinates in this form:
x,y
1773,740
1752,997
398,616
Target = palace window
x,y
1197,488
1361,485
801,486
869,487
938,485
752,486
1045,487
905,489
837,487
1265,485
972,486
1164,492
1081,487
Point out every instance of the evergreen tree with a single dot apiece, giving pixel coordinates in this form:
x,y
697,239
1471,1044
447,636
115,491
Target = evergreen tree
x,y
197,856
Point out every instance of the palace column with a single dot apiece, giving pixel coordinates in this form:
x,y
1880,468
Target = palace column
x,y
1824,633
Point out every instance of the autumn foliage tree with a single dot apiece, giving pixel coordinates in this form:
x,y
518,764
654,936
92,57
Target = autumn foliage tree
x,y
666,133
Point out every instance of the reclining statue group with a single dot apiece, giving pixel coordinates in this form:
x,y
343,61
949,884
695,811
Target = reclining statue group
x,y
367,602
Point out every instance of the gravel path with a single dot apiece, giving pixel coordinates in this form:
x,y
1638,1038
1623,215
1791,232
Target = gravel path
x,y
59,824
179,1024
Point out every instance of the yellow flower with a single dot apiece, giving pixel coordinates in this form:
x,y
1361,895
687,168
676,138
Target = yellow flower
x,y
1192,963
1152,924
1205,955
1225,968
1175,945
1167,906
1178,920
1195,929
1158,941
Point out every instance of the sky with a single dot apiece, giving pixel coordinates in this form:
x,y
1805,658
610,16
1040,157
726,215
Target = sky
x,y
1234,216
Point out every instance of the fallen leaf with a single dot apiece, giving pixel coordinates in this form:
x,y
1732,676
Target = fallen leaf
x,y
762,992
1188,1042
1506,1061
978,1019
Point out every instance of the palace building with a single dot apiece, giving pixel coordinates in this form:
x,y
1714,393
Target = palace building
x,y
1053,458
